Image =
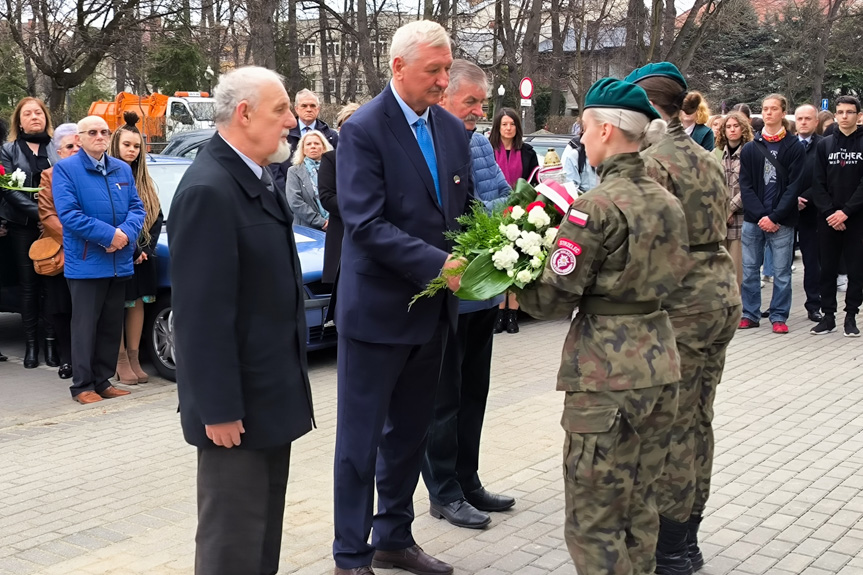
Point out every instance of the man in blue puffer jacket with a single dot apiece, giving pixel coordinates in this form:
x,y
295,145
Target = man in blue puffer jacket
x,y
450,468
102,215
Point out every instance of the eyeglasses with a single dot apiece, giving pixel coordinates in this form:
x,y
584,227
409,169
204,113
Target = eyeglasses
x,y
94,133
846,113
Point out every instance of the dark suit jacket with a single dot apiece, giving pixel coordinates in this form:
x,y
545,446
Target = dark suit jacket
x,y
280,171
335,228
394,228
238,304
809,214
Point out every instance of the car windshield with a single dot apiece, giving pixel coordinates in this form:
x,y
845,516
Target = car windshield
x,y
203,111
166,177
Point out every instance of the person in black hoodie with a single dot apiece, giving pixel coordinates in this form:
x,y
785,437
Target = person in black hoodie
x,y
806,120
770,170
838,194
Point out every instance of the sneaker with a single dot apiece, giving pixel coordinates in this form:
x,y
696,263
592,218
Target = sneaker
x,y
747,323
763,284
851,326
842,283
793,268
780,327
826,325
767,278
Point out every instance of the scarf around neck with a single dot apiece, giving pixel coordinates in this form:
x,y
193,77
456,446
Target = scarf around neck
x,y
312,168
775,137
510,164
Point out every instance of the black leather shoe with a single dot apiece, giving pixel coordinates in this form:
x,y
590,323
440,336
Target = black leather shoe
x,y
31,354
65,371
815,316
52,359
3,357
412,559
366,570
485,501
461,514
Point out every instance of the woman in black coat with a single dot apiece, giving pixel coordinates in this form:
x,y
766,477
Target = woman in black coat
x,y
30,151
516,158
327,193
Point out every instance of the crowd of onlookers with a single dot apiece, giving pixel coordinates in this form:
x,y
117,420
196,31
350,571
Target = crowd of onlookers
x,y
82,246
792,185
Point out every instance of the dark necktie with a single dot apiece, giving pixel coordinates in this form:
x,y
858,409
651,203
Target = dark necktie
x,y
267,179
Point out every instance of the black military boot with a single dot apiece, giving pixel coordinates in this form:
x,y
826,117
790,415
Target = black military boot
x,y
52,359
500,322
31,354
672,552
695,556
512,321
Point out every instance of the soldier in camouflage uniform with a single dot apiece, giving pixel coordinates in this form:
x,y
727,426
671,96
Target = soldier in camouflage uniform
x,y
620,250
704,310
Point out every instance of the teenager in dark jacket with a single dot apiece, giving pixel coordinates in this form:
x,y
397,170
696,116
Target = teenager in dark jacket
x,y
837,189
769,190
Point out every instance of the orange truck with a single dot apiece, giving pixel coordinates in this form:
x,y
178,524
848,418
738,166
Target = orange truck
x,y
161,116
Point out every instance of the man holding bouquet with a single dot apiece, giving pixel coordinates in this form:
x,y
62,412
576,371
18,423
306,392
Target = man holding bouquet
x,y
403,172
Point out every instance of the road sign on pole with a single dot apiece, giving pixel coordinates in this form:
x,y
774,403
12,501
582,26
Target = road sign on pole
x,y
824,104
525,88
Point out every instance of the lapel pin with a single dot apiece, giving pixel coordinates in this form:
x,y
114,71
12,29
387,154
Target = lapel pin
x,y
456,179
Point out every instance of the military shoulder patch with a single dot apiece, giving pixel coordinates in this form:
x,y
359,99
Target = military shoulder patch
x,y
578,218
570,245
563,261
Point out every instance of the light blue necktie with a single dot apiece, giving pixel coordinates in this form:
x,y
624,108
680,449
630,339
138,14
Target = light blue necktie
x,y
427,148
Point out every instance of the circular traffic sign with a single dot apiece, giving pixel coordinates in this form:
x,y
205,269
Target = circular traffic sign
x,y
525,87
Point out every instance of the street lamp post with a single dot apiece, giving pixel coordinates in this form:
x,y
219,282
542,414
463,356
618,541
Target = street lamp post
x,y
209,75
500,92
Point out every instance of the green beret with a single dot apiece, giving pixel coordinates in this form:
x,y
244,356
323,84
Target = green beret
x,y
614,93
663,69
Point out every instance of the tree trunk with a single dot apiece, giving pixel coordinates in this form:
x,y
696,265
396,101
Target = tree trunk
x,y
558,65
367,51
325,52
262,41
529,57
120,73
294,79
819,69
669,21
634,43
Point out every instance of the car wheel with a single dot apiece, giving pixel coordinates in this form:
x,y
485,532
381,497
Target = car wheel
x,y
160,337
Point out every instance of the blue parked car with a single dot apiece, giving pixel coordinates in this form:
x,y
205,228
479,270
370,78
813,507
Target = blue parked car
x,y
166,172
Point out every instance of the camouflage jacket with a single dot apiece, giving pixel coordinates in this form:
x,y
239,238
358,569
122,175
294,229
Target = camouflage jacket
x,y
693,175
623,242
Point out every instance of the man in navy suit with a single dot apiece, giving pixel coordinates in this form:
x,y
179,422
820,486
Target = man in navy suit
x,y
403,179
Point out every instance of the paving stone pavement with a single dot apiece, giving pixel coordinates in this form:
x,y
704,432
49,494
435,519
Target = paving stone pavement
x,y
109,489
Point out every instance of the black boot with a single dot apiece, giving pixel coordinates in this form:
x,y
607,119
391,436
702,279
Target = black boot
x,y
512,321
672,553
3,357
52,359
499,323
695,556
31,354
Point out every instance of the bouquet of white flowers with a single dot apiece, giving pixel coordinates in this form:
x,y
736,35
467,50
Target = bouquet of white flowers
x,y
15,181
508,246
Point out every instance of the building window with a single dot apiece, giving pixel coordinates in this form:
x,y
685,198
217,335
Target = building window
x,y
333,48
332,83
308,49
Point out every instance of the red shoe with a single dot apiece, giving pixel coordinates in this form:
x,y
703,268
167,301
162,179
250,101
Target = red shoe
x,y
747,323
780,327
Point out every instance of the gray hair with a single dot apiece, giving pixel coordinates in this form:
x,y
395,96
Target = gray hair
x,y
411,36
242,84
63,131
300,155
466,73
306,93
635,126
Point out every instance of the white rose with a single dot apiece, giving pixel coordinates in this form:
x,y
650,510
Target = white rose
x,y
18,177
538,217
517,212
510,273
505,258
502,228
535,262
512,232
523,276
532,250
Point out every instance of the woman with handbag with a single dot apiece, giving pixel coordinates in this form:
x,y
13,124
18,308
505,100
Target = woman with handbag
x,y
29,150
58,302
127,145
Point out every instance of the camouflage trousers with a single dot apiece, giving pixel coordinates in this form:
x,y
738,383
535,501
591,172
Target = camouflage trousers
x,y
615,448
702,340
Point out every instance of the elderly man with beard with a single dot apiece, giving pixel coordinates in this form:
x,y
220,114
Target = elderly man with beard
x,y
242,376
451,464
